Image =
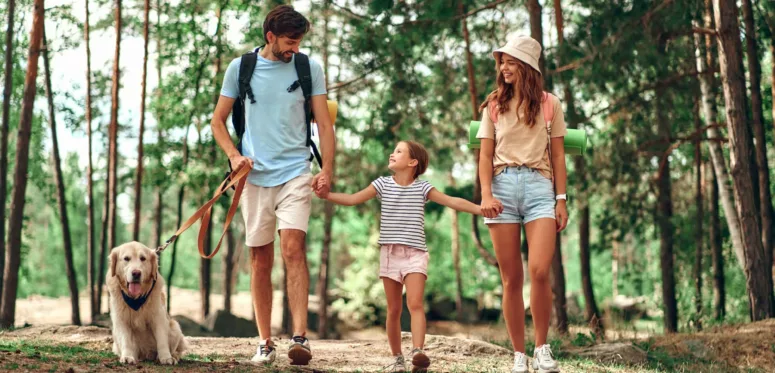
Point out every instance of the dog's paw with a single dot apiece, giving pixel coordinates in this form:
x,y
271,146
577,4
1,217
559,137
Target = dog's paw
x,y
128,360
168,360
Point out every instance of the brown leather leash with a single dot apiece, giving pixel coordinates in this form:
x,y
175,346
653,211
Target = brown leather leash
x,y
237,177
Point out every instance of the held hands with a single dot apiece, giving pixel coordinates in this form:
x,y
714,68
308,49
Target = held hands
x,y
321,183
561,212
491,207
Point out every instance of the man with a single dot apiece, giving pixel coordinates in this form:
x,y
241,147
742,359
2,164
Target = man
x,y
279,188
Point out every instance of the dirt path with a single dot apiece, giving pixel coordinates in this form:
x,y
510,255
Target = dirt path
x,y
87,349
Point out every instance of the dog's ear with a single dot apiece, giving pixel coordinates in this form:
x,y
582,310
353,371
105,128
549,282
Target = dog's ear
x,y
113,260
154,265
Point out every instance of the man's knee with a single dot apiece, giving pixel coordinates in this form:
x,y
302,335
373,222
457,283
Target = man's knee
x,y
293,248
262,257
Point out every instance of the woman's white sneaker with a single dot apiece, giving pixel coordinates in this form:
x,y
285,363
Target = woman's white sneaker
x,y
520,363
543,361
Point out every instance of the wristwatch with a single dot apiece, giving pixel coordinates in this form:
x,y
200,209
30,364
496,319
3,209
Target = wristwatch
x,y
561,196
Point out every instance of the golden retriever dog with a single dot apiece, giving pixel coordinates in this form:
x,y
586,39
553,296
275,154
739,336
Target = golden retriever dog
x,y
142,328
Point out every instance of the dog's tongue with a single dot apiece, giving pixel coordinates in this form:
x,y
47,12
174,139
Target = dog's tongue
x,y
134,289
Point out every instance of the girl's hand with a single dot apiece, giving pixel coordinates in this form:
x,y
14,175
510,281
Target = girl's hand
x,y
561,212
491,207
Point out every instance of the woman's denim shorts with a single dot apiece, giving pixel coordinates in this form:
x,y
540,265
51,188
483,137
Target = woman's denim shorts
x,y
526,195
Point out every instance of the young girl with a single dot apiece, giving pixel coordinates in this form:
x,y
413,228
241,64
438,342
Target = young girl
x,y
403,258
522,166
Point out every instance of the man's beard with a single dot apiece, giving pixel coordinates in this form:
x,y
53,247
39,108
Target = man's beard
x,y
281,54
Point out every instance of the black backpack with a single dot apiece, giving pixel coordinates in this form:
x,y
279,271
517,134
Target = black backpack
x,y
247,65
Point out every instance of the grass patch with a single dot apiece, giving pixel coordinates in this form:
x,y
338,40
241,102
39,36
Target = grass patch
x,y
46,353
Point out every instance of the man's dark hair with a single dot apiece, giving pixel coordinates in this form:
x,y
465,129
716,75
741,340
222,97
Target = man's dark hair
x,y
285,21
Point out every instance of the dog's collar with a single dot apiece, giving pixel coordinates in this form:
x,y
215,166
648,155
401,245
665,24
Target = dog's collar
x,y
135,304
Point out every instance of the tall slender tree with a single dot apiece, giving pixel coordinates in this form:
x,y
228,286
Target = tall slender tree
x,y
328,208
665,212
591,312
159,202
758,272
8,79
90,244
757,125
16,216
60,185
113,131
139,169
705,59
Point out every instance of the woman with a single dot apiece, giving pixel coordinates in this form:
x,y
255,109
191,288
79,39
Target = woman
x,y
522,171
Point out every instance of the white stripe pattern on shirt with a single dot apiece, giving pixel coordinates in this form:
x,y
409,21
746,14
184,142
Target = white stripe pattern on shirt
x,y
403,212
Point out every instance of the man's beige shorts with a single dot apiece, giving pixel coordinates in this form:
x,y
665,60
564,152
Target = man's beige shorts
x,y
286,206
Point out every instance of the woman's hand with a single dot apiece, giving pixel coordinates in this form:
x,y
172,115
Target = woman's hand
x,y
491,207
561,212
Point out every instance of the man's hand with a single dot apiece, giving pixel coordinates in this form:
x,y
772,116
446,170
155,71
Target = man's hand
x,y
322,182
239,159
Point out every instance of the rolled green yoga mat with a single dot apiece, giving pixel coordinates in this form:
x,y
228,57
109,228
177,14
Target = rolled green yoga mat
x,y
575,140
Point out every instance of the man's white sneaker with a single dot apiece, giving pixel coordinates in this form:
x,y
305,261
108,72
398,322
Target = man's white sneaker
x,y
299,352
265,353
520,363
420,361
543,361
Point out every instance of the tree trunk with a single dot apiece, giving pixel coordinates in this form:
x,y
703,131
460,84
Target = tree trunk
x,y
698,228
321,288
758,273
182,190
16,216
205,278
139,170
707,82
113,134
228,269
591,312
205,274
103,246
8,79
489,258
173,257
664,218
60,185
615,268
558,289
456,259
757,124
158,227
90,244
536,30
558,273
716,240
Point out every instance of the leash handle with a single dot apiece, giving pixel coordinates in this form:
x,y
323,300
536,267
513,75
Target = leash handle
x,y
237,178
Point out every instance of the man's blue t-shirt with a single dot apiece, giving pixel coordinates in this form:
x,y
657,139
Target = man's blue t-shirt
x,y
275,132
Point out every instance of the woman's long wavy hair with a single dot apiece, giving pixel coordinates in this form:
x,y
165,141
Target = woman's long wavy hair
x,y
530,84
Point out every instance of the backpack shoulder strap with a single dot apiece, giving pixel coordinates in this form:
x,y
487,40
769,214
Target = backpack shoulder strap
x,y
492,109
547,106
301,61
246,67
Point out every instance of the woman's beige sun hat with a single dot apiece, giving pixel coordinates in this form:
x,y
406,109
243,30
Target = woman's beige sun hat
x,y
523,48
